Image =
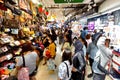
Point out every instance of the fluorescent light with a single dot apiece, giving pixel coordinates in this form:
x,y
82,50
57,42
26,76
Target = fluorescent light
x,y
35,1
94,5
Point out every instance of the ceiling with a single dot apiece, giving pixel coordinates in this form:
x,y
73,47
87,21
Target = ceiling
x,y
63,11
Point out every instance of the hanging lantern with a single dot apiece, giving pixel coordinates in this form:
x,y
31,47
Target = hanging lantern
x,y
46,12
40,9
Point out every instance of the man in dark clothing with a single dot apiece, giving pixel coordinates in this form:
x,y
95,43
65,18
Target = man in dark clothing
x,y
78,62
84,32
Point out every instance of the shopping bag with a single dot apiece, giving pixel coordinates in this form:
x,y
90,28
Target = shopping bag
x,y
23,74
46,53
51,64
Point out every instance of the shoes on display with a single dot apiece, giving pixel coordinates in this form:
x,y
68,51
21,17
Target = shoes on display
x,y
4,49
12,8
17,11
27,11
23,6
11,2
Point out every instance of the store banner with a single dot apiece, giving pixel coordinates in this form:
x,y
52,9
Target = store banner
x,y
68,1
91,26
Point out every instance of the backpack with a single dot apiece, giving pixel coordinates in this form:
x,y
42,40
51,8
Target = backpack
x,y
81,61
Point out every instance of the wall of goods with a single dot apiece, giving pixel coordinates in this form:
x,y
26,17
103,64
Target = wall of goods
x,y
110,24
19,22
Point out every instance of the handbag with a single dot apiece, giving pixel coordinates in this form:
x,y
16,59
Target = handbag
x,y
23,73
51,64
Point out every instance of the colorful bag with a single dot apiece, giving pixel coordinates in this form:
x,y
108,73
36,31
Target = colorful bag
x,y
51,64
23,73
47,53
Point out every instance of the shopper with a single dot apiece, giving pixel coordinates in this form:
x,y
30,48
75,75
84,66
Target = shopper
x,y
91,53
46,44
51,49
84,43
78,62
67,43
65,68
45,39
88,39
61,37
84,32
31,58
103,56
54,35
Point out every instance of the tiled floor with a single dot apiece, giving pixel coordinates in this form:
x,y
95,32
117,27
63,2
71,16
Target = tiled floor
x,y
44,74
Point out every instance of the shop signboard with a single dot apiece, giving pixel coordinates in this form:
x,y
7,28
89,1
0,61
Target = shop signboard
x,y
91,26
68,1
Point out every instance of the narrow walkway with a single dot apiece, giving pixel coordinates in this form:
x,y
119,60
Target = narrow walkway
x,y
44,74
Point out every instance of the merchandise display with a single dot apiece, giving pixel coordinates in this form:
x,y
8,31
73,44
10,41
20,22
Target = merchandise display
x,y
116,66
40,23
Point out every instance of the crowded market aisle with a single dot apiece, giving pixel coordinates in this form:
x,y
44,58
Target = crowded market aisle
x,y
44,74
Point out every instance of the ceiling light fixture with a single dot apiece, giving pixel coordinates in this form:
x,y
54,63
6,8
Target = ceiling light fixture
x,y
88,9
94,5
35,1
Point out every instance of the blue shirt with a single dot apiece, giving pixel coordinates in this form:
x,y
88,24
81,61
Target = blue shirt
x,y
92,50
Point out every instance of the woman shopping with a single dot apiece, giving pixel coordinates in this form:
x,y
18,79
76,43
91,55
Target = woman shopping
x,y
65,68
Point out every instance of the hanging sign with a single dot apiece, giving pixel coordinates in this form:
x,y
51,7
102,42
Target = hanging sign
x,y
68,1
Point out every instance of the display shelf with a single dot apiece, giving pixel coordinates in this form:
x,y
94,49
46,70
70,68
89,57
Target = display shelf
x,y
116,62
116,53
116,68
115,75
6,57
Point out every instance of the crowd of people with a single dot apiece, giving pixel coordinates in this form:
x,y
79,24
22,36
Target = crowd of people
x,y
92,48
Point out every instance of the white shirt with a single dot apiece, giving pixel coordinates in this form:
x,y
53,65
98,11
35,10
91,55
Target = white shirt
x,y
30,61
62,71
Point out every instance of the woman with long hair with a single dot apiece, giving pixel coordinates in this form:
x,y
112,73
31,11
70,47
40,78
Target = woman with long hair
x,y
67,42
31,58
65,68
